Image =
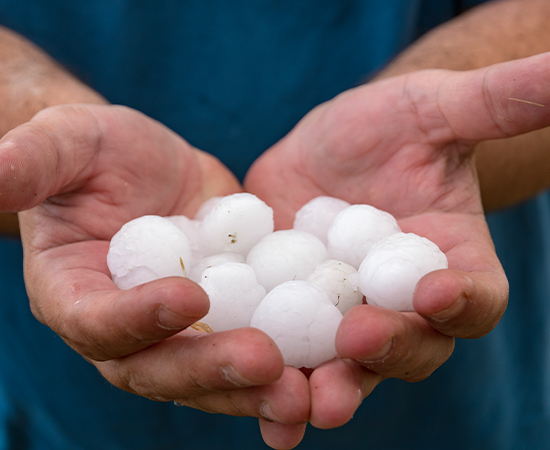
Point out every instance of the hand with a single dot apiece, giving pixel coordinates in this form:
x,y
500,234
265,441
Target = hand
x,y
405,145
81,172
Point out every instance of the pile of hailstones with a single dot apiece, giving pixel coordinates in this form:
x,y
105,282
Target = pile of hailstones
x,y
294,284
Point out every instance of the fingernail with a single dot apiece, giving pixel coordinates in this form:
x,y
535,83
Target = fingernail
x,y
380,354
169,320
231,375
451,312
267,413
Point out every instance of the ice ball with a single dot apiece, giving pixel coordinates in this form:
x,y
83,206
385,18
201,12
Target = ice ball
x,y
394,265
285,255
302,321
210,261
206,207
235,224
355,229
316,216
340,281
234,295
190,228
148,248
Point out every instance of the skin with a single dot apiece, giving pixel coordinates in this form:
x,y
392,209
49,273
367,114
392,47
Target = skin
x,y
86,169
30,81
71,166
421,129
511,169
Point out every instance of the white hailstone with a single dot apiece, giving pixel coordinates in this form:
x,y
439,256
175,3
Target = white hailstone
x,y
302,321
206,207
394,265
355,229
316,216
148,248
235,224
285,255
340,281
210,261
190,228
234,295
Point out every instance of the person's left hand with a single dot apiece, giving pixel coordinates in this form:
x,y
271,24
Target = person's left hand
x,y
405,145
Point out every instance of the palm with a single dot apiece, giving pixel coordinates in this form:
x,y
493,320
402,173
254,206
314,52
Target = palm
x,y
81,172
122,166
405,145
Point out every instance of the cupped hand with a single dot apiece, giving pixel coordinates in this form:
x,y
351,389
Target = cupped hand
x,y
405,145
79,172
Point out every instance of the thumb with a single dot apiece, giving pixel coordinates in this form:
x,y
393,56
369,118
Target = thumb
x,y
498,101
41,157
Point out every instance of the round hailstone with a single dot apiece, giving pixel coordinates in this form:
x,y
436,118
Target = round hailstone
x,y
316,216
340,281
394,265
285,255
190,228
234,295
302,321
206,207
235,224
148,248
355,229
211,261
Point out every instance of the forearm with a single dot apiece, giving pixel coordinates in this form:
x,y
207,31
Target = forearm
x,y
510,170
30,81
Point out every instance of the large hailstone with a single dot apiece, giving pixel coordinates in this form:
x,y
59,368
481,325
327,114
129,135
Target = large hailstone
x,y
190,228
340,281
234,295
316,216
235,224
206,207
394,265
285,255
148,248
210,261
302,321
355,229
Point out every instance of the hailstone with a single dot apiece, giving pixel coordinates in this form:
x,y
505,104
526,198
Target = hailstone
x,y
393,266
316,216
340,281
355,229
235,224
302,321
206,207
234,295
148,248
190,228
285,255
210,261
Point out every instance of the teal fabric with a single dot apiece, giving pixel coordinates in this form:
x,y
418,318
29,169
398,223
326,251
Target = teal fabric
x,y
233,78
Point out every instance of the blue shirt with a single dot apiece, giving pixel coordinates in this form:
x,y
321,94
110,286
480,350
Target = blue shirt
x,y
233,78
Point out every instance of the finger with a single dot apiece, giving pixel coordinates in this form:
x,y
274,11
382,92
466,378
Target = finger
x,y
337,389
469,299
41,156
284,401
462,305
96,318
189,366
282,436
392,344
106,148
498,101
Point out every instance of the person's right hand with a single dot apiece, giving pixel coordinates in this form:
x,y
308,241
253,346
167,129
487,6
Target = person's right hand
x,y
79,172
